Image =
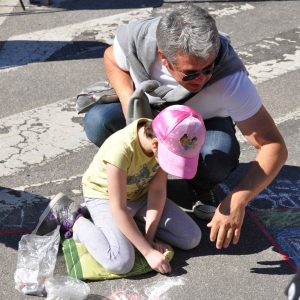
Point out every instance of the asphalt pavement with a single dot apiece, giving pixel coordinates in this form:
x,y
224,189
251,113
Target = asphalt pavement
x,y
49,53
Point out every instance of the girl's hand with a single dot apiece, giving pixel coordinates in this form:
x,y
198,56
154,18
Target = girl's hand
x,y
158,262
161,247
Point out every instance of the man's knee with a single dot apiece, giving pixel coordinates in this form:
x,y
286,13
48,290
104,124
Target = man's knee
x,y
94,127
102,120
219,156
219,165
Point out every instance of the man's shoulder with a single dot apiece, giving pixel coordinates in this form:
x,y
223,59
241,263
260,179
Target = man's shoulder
x,y
135,26
137,32
143,22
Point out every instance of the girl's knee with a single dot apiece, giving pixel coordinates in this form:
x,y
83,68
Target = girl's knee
x,y
122,261
194,240
191,239
119,266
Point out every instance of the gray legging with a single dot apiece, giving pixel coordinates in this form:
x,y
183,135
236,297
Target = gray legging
x,y
107,244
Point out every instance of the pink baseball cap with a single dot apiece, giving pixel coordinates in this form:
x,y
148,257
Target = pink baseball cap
x,y
180,132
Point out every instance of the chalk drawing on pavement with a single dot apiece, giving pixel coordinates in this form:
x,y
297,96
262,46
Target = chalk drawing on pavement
x,y
155,291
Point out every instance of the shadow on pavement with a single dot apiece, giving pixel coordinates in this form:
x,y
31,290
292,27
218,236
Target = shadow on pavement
x,y
284,190
96,297
118,4
278,267
18,53
19,212
252,241
96,4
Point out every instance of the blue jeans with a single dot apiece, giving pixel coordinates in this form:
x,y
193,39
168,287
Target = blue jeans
x,y
219,156
102,120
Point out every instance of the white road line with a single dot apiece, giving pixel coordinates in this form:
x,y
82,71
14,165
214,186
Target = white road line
x,y
56,181
271,69
40,135
232,10
38,46
6,7
295,115
45,133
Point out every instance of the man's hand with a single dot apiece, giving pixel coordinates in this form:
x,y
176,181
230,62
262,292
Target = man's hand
x,y
262,133
227,222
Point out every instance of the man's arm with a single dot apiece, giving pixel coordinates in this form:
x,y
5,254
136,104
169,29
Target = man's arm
x,y
120,80
261,131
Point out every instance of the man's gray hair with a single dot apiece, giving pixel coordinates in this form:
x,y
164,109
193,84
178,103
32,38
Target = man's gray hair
x,y
189,29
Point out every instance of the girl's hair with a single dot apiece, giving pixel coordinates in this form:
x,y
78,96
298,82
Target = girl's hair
x,y
148,129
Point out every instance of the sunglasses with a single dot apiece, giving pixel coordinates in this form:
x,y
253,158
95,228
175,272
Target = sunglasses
x,y
205,72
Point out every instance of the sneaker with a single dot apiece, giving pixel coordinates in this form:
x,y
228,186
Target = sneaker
x,y
62,211
293,289
206,202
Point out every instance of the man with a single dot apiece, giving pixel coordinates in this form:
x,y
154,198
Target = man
x,y
196,65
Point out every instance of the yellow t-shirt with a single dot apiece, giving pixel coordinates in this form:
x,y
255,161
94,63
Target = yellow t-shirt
x,y
123,150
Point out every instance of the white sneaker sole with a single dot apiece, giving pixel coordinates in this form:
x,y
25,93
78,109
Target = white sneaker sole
x,y
47,210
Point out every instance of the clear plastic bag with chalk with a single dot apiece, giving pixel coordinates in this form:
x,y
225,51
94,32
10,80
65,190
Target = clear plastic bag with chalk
x,y
36,262
66,288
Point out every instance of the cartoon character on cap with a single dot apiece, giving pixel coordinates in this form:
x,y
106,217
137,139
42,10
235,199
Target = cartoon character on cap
x,y
180,132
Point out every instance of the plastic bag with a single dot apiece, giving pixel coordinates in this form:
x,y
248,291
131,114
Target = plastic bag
x,y
36,262
66,288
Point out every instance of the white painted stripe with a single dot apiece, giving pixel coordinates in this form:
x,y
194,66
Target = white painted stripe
x,y
38,46
271,69
39,135
6,7
43,134
56,181
232,10
294,115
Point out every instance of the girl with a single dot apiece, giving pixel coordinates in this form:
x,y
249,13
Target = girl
x,y
125,185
